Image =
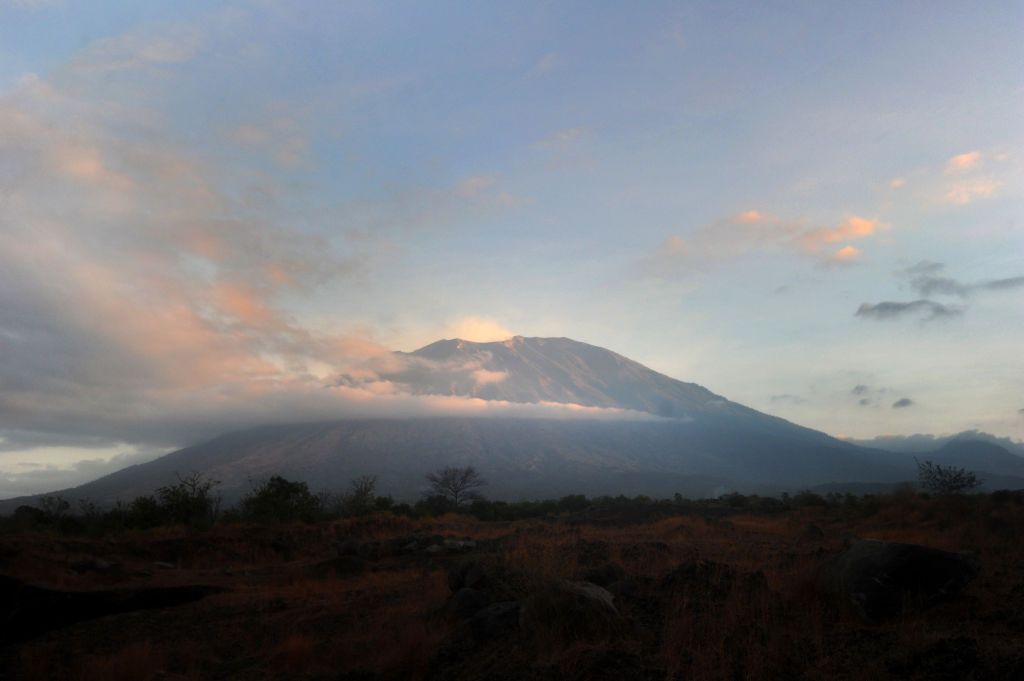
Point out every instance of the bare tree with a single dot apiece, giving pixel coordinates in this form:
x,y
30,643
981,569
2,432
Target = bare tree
x,y
945,479
456,484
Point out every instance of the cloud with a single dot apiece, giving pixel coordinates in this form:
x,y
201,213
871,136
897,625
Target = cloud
x,y
478,329
142,295
903,403
281,139
485,377
31,4
476,185
846,254
561,138
860,389
968,191
925,279
1001,284
896,310
139,49
897,182
787,398
33,476
854,228
962,163
755,232
548,63
749,216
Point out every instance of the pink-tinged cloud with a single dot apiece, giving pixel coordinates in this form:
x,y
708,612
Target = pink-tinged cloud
x,y
966,191
486,377
478,329
750,216
854,228
961,163
897,183
847,254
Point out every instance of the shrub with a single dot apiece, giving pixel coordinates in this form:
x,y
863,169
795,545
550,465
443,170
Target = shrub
x,y
362,499
280,500
945,480
191,501
456,484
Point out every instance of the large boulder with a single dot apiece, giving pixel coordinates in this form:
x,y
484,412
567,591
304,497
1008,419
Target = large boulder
x,y
605,574
571,611
492,622
467,602
468,574
880,578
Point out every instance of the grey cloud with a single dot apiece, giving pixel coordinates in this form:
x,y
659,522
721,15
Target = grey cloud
x,y
925,267
39,476
925,279
860,389
864,401
930,286
902,403
1003,284
896,310
786,397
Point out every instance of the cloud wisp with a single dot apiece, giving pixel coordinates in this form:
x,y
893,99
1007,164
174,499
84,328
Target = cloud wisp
x,y
929,309
753,232
926,278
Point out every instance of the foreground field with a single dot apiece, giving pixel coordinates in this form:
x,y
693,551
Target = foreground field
x,y
727,594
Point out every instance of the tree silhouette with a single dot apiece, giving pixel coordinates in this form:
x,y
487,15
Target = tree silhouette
x,y
938,479
456,484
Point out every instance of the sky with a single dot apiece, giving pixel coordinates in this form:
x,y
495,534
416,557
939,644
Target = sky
x,y
207,210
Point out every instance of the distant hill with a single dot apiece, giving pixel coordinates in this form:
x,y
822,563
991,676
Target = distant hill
x,y
911,444
700,444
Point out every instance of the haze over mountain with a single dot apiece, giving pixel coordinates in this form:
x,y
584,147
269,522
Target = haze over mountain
x,y
560,370
673,437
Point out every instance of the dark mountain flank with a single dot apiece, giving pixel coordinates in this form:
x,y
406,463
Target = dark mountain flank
x,y
684,438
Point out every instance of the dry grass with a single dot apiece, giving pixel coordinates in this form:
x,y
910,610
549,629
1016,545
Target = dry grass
x,y
717,599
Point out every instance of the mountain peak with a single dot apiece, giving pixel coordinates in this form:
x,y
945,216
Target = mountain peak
x,y
558,369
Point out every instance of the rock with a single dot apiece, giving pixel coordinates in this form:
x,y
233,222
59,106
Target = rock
x,y
468,575
625,588
644,550
879,577
494,621
163,565
465,603
90,565
592,552
572,611
30,610
593,594
813,533
605,574
349,547
458,545
949,659
434,549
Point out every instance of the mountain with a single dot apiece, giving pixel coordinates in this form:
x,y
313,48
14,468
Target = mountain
x,y
917,444
532,370
977,455
690,440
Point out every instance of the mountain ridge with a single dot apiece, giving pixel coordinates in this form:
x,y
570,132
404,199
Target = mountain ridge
x,y
702,445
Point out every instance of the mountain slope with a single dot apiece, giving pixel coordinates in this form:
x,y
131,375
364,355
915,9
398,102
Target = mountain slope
x,y
520,457
703,444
